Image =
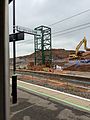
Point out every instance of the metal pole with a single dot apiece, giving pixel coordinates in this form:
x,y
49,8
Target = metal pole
x,y
4,61
14,77
14,89
14,52
42,45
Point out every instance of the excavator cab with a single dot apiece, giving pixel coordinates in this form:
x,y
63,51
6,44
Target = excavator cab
x,y
73,57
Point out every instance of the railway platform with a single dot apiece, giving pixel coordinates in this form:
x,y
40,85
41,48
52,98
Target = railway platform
x,y
60,97
32,106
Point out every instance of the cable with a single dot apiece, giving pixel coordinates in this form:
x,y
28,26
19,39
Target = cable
x,y
72,28
71,31
69,17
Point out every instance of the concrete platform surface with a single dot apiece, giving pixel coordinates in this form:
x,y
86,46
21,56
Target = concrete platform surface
x,y
61,97
34,107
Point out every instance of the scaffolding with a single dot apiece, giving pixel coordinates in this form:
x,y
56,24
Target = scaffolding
x,y
42,45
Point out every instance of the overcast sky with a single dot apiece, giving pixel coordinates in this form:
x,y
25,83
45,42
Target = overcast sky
x,y
33,13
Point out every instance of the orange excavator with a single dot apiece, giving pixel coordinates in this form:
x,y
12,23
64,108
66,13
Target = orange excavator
x,y
77,53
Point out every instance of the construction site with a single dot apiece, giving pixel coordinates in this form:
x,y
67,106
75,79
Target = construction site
x,y
46,61
56,59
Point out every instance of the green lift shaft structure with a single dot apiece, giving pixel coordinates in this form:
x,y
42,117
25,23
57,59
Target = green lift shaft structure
x,y
42,45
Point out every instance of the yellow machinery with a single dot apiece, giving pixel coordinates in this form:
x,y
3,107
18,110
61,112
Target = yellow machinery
x,y
77,53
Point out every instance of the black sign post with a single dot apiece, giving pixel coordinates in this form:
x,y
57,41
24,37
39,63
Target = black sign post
x,y
14,77
13,38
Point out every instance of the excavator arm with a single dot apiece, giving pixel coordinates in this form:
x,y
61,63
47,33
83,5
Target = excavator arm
x,y
79,45
84,41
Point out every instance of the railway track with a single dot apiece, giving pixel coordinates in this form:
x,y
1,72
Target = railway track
x,y
75,85
65,78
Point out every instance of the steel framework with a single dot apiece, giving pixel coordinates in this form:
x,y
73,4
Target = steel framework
x,y
42,45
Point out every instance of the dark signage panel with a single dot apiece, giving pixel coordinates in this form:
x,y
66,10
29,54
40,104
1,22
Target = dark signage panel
x,y
11,37
10,1
19,36
16,36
